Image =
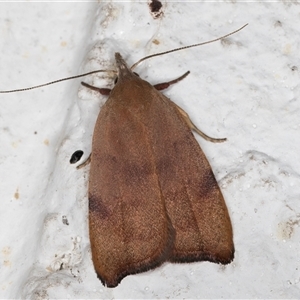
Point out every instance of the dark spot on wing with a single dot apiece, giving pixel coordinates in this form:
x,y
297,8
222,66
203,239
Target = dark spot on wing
x,y
135,173
208,183
96,205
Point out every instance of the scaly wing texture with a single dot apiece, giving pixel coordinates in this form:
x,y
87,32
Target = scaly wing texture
x,y
192,196
152,194
130,230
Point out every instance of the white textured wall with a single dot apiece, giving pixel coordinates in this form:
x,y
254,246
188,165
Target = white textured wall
x,y
246,90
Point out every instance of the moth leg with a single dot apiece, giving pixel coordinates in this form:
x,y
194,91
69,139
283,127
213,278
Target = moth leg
x,y
86,162
102,91
193,127
164,85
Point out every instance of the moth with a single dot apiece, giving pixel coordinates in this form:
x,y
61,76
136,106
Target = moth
x,y
152,194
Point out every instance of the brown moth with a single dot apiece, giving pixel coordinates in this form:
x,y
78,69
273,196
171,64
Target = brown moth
x,y
152,194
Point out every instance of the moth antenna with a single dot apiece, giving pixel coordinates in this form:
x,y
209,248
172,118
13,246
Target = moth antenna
x,y
186,47
132,67
55,81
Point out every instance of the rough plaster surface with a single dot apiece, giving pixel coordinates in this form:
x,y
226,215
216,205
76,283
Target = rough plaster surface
x,y
245,88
